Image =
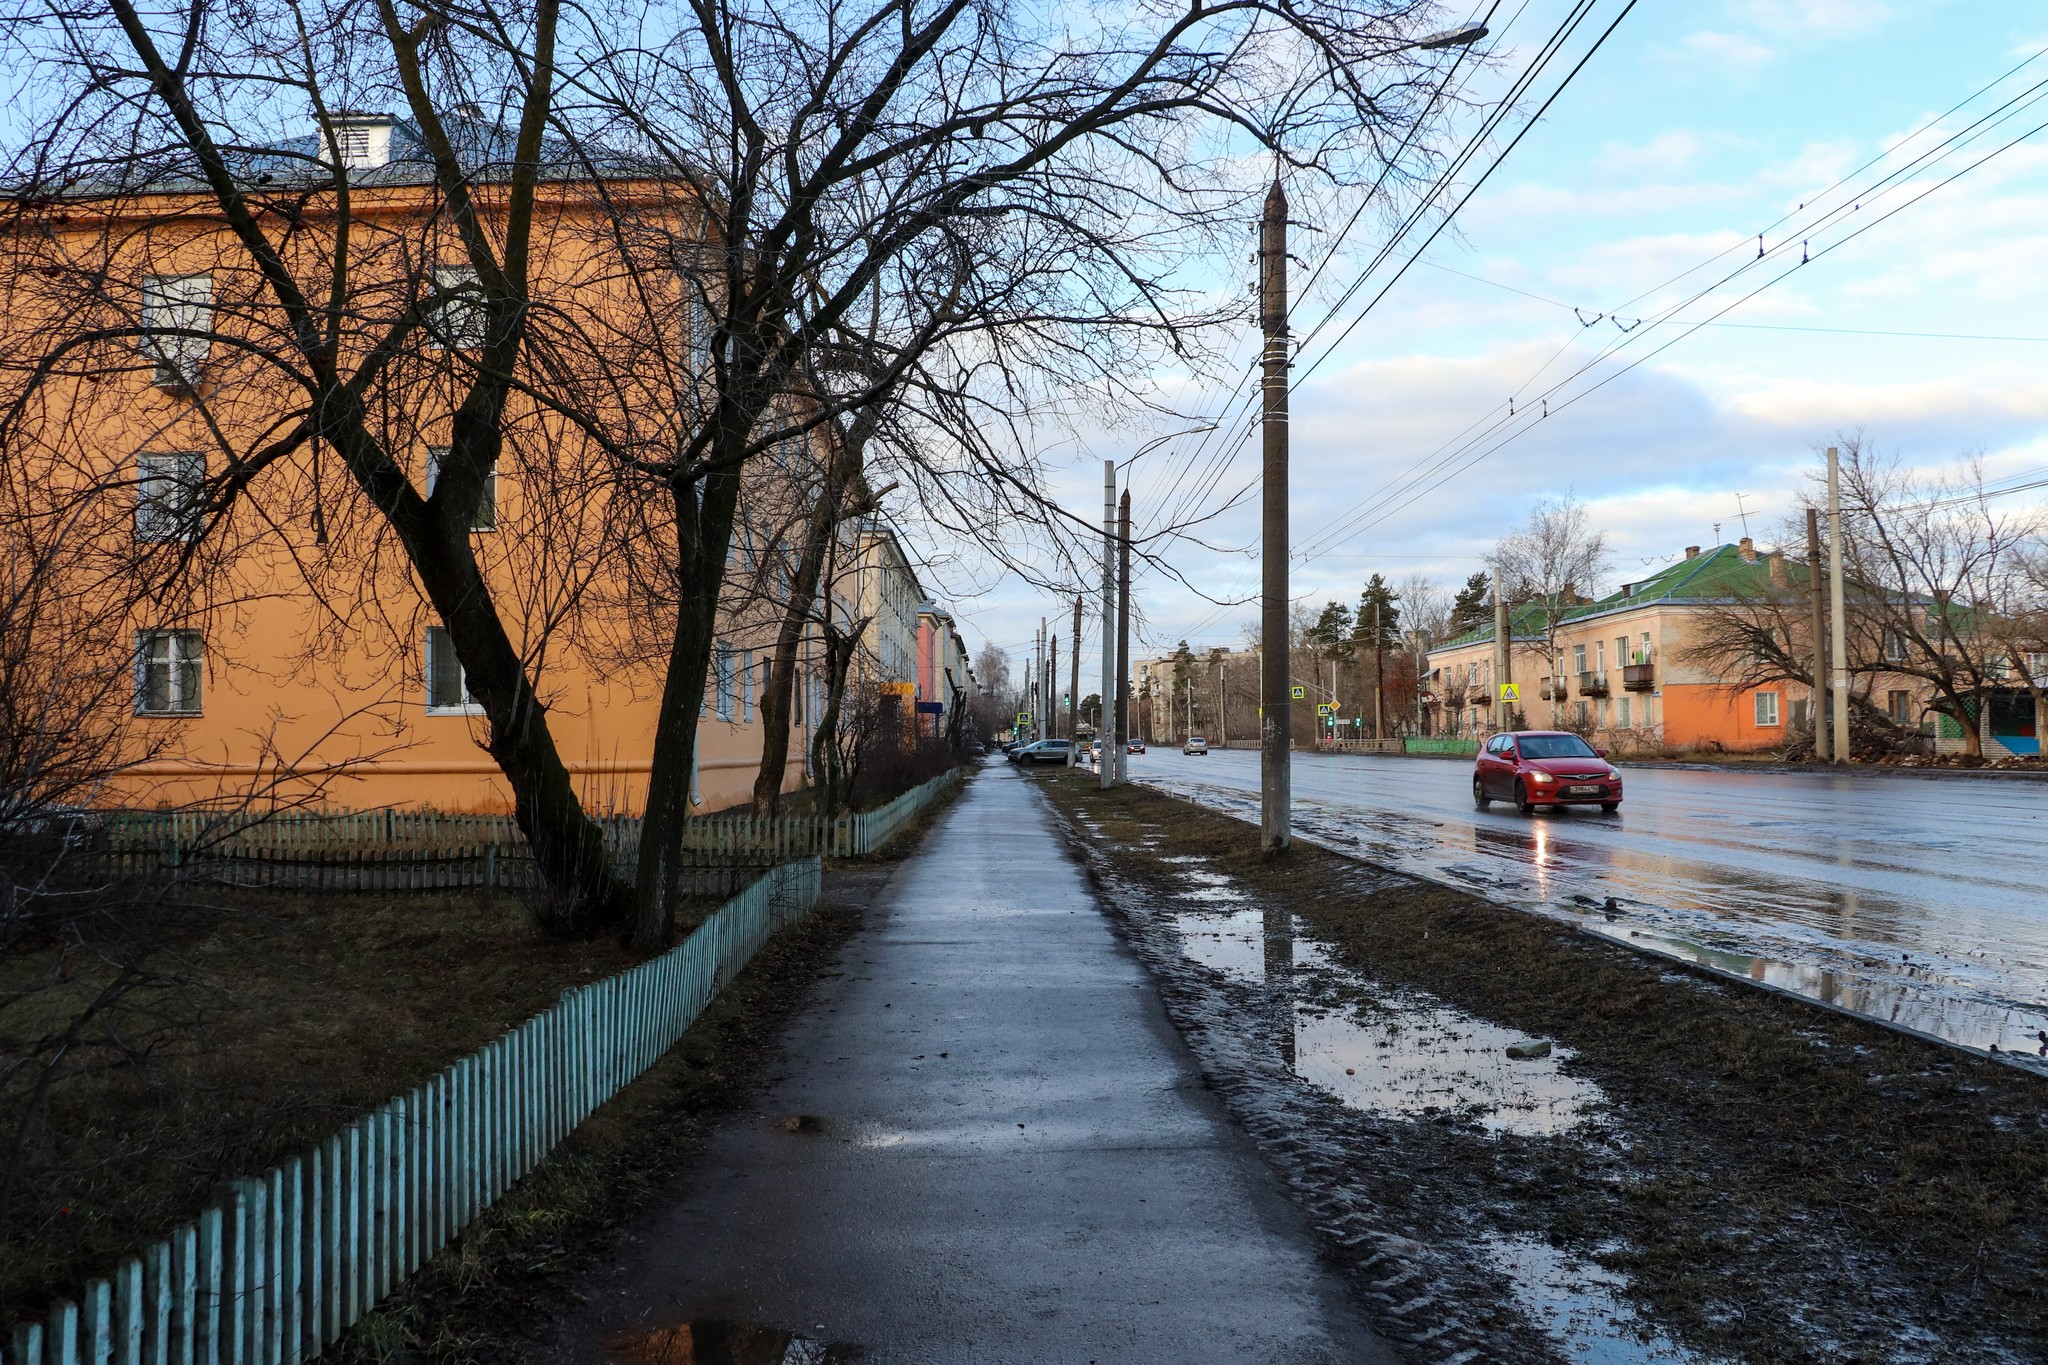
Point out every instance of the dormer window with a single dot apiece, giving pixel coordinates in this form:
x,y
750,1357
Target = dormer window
x,y
362,142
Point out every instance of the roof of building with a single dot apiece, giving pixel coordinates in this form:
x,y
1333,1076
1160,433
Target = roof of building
x,y
1722,574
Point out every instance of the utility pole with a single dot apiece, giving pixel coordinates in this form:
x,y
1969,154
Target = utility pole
x,y
1838,639
1074,688
1052,682
1500,649
1276,729
1105,771
1223,701
1123,638
1379,675
1823,748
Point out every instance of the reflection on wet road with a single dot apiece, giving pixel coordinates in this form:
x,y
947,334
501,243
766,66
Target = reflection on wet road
x,y
1917,900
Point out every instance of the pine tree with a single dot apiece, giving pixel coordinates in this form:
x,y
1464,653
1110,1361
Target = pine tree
x,y
1473,609
1381,595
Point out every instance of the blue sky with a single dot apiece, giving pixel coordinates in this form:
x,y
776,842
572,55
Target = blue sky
x,y
1695,127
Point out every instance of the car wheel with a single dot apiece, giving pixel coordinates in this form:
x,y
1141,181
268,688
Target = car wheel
x,y
1609,807
1522,801
1479,796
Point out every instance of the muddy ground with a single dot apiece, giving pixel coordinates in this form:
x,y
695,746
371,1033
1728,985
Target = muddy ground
x,y
1695,1171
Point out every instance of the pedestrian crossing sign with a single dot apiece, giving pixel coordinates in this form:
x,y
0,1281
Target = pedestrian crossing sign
x,y
1510,692
1326,708
1023,717
1298,693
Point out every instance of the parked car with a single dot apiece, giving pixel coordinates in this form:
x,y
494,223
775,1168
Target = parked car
x,y
1136,746
1195,744
1544,768
1045,751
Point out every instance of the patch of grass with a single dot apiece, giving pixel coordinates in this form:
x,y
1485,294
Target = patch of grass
x,y
1787,1174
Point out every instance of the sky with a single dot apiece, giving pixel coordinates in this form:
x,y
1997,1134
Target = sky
x,y
1697,126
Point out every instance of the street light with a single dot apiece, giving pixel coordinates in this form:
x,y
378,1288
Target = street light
x,y
1460,36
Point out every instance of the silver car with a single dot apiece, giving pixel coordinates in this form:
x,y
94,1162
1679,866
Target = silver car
x,y
1195,745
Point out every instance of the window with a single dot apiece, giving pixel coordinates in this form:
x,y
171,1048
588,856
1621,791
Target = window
x,y
700,325
167,671
362,144
1578,658
1894,647
486,518
456,316
1899,706
1802,713
722,661
447,683
1766,708
1649,713
182,307
168,489
1643,652
1621,651
1599,656
746,684
1625,721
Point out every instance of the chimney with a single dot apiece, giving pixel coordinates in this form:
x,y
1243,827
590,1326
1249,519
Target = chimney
x,y
1747,548
1692,552
1778,576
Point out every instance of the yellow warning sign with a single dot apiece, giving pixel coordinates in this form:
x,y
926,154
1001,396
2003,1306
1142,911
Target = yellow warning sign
x,y
1298,693
1510,692
1326,708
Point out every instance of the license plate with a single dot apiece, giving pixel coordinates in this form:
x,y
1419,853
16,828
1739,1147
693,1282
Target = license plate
x,y
1582,791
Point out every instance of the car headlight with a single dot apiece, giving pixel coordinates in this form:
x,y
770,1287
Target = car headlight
x,y
1541,777
1614,774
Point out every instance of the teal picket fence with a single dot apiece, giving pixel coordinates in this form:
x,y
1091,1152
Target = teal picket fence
x,y
281,1264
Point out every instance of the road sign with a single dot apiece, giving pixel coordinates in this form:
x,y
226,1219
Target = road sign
x,y
1298,693
1326,708
1510,692
1023,717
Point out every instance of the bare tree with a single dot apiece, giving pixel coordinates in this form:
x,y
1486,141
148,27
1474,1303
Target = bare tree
x,y
1555,562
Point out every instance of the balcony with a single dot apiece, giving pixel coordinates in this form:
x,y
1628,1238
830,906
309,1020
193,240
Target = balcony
x,y
1454,698
1556,686
1639,678
1592,684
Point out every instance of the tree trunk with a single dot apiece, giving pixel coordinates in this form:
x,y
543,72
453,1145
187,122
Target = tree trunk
x,y
703,519
825,757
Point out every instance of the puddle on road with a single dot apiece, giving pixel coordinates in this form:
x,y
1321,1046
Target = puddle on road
x,y
1407,1055
1579,1307
713,1341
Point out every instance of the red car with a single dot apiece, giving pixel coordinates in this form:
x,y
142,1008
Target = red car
x,y
1544,768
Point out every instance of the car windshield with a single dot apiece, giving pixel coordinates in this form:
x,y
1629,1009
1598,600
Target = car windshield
x,y
1554,746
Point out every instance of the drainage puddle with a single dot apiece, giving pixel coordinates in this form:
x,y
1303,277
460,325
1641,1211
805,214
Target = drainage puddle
x,y
1579,1306
713,1341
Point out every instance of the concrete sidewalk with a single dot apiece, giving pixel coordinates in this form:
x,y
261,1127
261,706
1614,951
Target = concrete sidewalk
x,y
1005,1153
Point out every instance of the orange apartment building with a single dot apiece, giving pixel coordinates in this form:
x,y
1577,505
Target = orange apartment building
x,y
1621,668
302,656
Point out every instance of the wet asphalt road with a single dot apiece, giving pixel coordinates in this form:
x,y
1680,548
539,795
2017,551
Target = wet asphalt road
x,y
1919,900
1002,1151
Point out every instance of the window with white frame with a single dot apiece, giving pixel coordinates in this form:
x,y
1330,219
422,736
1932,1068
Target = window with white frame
x,y
177,317
701,325
1643,649
1894,647
168,666
1624,708
1766,708
723,661
746,684
447,683
1578,658
486,517
457,320
168,490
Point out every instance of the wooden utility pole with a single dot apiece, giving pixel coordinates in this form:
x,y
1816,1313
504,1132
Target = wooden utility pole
x,y
1823,747
1074,687
1501,662
1123,637
1379,675
1838,638
1276,716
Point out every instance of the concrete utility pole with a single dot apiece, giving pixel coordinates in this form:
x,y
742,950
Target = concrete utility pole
x,y
1052,682
1823,748
1074,688
1123,638
1106,769
1838,637
1223,701
1501,663
1276,715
